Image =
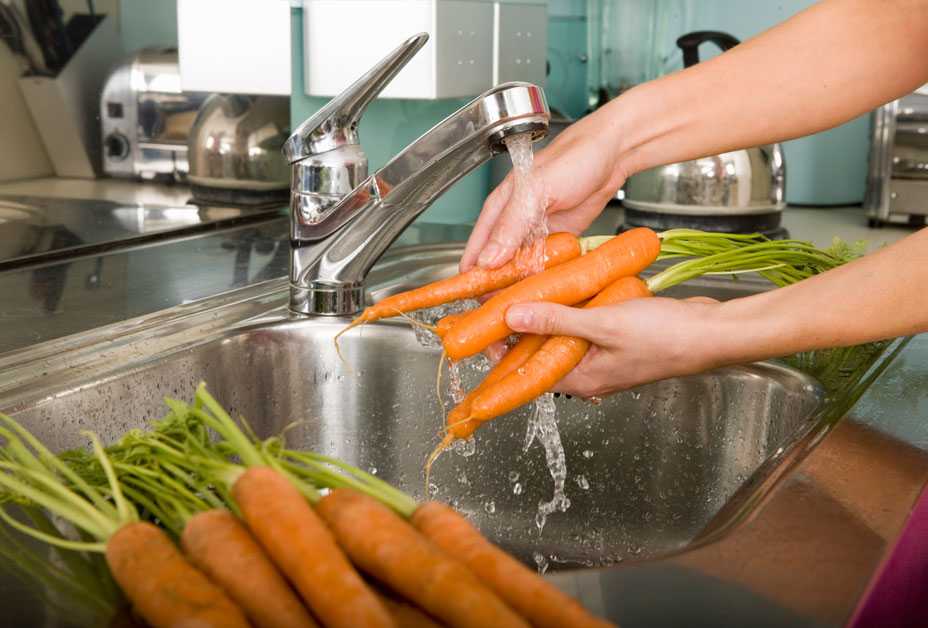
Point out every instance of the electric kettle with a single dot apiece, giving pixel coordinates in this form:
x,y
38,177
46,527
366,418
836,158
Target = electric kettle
x,y
741,191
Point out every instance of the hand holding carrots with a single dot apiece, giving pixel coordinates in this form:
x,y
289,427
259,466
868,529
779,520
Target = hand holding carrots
x,y
625,350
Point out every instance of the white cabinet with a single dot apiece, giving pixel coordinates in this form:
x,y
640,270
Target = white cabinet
x,y
234,46
473,44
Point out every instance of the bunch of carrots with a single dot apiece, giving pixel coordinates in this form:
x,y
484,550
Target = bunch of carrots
x,y
203,524
583,272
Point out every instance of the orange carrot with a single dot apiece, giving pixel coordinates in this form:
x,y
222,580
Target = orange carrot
x,y
559,248
303,548
525,591
445,324
568,284
458,423
547,366
219,544
164,588
406,615
388,548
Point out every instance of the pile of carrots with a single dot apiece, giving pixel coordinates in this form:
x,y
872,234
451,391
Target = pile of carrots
x,y
584,272
203,524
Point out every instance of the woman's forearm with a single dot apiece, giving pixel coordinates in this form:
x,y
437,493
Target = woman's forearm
x,y
879,296
830,63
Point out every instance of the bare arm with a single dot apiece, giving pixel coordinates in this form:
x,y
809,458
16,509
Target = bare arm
x,y
826,65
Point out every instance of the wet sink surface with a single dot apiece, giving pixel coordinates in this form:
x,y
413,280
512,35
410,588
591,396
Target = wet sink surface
x,y
647,470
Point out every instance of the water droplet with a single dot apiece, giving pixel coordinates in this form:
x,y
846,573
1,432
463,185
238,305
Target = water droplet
x,y
588,453
373,470
517,489
582,482
513,476
541,561
433,488
490,507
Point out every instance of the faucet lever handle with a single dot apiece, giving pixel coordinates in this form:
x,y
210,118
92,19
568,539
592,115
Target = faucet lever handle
x,y
336,124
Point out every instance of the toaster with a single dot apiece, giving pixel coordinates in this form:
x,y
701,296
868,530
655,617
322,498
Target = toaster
x,y
897,181
146,118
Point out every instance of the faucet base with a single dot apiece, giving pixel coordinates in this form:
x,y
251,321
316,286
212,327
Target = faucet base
x,y
326,299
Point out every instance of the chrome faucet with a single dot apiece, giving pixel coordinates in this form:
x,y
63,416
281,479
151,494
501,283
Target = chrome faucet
x,y
342,220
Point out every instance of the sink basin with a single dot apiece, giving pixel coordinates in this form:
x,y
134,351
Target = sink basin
x,y
647,471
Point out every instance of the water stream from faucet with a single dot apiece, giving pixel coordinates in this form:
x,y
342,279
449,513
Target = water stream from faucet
x,y
528,197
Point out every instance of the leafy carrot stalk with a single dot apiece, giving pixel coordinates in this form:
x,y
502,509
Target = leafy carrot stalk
x,y
390,549
274,506
521,588
213,539
376,539
556,357
568,283
164,588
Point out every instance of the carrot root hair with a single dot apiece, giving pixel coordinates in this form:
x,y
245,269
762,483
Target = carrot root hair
x,y
441,363
358,322
439,450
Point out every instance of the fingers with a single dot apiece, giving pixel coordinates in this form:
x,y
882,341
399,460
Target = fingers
x,y
551,320
486,222
709,300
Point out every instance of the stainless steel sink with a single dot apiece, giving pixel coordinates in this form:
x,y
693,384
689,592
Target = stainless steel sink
x,y
647,470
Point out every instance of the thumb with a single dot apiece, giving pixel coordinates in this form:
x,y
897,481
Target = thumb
x,y
549,319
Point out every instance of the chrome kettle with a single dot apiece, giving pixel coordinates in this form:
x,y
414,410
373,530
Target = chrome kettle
x,y
739,191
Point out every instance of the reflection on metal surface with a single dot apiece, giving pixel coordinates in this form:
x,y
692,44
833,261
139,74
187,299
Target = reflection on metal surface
x,y
35,229
342,221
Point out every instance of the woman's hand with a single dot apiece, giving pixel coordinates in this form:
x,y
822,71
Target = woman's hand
x,y
634,343
575,177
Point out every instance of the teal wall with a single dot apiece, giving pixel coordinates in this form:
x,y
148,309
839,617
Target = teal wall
x,y
147,23
387,127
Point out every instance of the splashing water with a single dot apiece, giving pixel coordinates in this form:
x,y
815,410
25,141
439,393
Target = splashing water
x,y
429,316
543,428
527,194
541,561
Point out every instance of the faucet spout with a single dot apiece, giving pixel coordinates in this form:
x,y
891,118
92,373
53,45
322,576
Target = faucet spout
x,y
332,251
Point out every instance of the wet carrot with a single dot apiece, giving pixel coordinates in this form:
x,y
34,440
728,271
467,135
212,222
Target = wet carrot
x,y
406,615
568,284
458,422
164,588
559,248
546,367
220,545
301,546
388,548
541,603
445,324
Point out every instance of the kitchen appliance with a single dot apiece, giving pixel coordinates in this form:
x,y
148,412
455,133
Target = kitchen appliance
x,y
146,117
897,181
234,150
741,191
